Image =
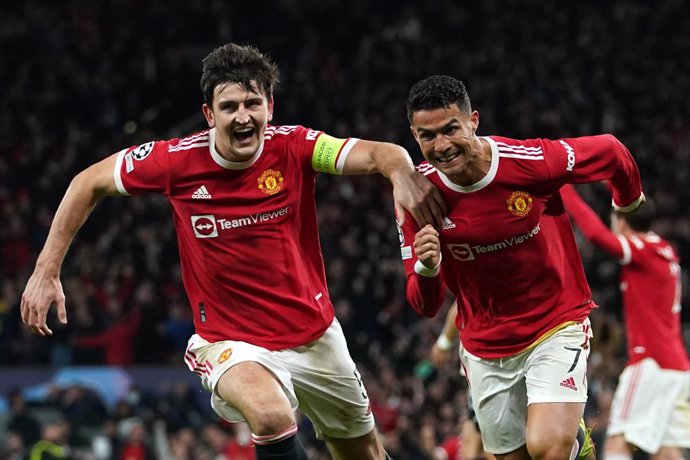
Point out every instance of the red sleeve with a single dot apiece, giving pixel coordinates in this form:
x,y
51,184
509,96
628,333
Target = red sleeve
x,y
424,293
143,169
589,223
594,158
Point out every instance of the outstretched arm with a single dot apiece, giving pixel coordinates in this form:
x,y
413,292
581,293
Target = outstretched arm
x,y
589,222
44,287
411,190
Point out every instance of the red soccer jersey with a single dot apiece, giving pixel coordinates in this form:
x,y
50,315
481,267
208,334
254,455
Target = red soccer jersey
x,y
650,284
508,250
247,232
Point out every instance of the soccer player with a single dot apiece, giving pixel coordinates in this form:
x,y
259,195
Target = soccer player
x,y
508,254
242,197
651,406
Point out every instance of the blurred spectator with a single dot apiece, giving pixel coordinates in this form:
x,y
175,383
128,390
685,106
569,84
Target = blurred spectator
x,y
53,443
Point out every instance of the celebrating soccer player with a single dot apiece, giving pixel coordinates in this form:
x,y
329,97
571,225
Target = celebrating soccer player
x,y
242,196
506,250
651,406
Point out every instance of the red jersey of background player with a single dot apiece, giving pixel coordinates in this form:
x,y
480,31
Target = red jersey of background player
x,y
650,284
508,250
247,232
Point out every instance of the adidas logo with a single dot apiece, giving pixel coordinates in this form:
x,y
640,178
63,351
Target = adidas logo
x,y
447,224
201,194
569,383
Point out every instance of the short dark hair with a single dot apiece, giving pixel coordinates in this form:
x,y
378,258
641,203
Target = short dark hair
x,y
438,91
642,218
239,64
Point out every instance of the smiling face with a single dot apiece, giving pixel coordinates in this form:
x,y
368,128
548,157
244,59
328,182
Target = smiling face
x,y
447,138
240,116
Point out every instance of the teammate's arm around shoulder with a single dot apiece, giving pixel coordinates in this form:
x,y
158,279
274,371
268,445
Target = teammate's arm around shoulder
x,y
411,190
44,287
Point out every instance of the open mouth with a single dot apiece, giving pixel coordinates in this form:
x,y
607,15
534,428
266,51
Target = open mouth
x,y
447,158
243,134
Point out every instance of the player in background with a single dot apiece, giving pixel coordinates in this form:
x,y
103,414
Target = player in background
x,y
242,197
507,252
651,405
444,355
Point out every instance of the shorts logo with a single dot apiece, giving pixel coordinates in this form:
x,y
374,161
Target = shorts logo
x,y
270,182
462,251
205,226
519,203
142,151
569,383
224,355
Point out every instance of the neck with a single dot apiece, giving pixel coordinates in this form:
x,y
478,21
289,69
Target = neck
x,y
478,167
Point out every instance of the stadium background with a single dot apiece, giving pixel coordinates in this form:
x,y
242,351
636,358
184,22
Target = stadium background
x,y
82,79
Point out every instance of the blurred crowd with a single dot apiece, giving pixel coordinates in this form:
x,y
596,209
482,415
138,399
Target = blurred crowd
x,y
82,79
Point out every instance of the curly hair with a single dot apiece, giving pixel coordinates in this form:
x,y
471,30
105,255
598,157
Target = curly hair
x,y
244,65
435,92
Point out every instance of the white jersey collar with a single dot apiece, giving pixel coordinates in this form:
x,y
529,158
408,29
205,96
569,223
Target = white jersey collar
x,y
484,181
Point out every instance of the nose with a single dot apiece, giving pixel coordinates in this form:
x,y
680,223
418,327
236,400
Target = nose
x,y
242,115
441,144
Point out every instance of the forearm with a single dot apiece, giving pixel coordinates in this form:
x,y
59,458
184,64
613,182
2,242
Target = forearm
x,y
392,161
85,190
450,329
425,294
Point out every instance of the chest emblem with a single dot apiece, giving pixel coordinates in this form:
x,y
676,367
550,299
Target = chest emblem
x,y
270,182
519,203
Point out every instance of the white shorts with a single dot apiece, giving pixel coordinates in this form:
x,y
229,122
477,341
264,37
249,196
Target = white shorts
x,y
320,378
651,407
501,389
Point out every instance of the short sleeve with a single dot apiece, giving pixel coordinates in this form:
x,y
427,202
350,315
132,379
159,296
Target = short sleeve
x,y
143,169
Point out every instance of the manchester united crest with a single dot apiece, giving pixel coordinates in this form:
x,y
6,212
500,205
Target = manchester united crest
x,y
519,203
270,182
224,355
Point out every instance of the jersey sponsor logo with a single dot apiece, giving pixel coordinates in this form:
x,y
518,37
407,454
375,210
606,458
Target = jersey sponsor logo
x,y
205,226
252,219
129,164
461,252
224,355
312,134
201,194
519,203
270,182
571,155
142,151
465,252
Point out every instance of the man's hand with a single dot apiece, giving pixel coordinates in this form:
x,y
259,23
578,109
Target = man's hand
x,y
416,194
40,293
427,246
441,358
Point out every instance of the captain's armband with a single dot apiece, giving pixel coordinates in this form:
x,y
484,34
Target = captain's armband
x,y
330,152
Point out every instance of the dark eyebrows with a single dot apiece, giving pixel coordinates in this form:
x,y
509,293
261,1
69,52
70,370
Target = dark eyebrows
x,y
441,129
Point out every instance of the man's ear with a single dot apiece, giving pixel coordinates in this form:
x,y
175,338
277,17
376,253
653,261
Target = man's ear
x,y
208,114
270,109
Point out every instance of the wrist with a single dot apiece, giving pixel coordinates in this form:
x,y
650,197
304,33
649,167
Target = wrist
x,y
428,272
443,342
